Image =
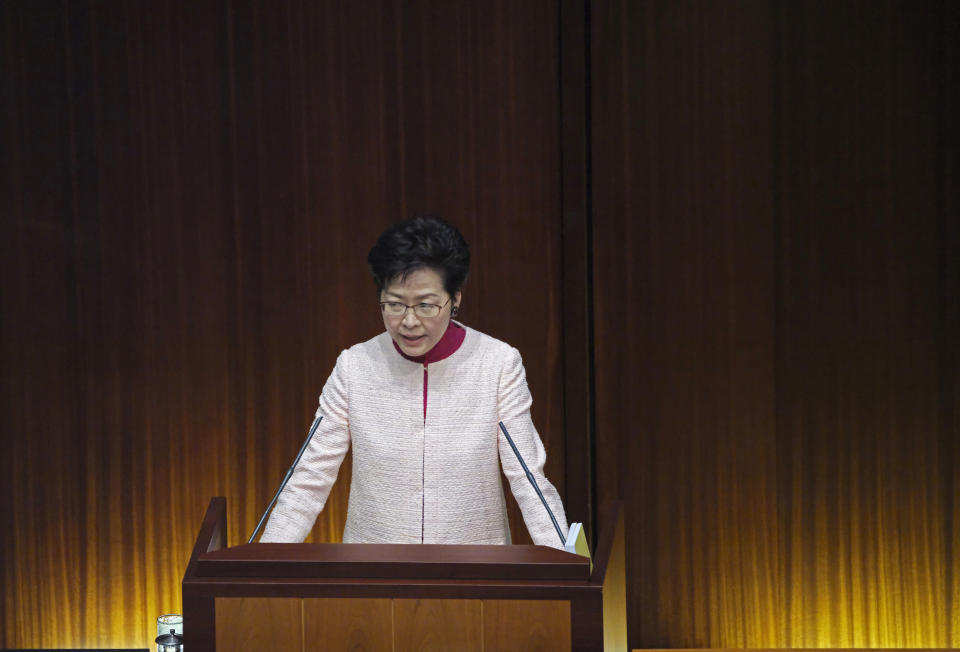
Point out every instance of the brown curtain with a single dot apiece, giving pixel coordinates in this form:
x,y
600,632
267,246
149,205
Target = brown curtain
x,y
777,316
189,192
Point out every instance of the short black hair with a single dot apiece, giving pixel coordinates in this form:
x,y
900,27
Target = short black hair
x,y
423,241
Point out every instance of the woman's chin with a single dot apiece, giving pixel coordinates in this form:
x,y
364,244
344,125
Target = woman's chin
x,y
413,347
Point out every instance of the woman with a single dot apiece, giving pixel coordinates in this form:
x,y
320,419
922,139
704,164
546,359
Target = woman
x,y
420,404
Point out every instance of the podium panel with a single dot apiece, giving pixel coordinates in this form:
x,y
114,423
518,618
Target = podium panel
x,y
526,624
320,624
406,597
259,624
438,625
347,624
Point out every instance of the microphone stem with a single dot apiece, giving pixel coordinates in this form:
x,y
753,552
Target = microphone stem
x,y
530,477
286,478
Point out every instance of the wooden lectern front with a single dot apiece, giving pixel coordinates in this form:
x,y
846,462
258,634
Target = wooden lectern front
x,y
324,596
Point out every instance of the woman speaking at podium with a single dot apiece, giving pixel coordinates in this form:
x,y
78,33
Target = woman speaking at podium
x,y
420,405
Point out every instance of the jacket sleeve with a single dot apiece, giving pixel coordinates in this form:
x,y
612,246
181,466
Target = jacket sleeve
x,y
514,403
306,493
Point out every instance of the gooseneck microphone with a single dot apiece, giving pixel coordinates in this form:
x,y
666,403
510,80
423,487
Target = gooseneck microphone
x,y
530,477
286,478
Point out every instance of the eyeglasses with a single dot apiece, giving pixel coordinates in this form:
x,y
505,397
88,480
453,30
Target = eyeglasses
x,y
421,310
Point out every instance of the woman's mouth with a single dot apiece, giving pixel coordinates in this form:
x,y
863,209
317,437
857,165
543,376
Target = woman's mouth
x,y
412,339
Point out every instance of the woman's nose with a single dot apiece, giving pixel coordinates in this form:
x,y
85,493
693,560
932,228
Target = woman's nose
x,y
410,318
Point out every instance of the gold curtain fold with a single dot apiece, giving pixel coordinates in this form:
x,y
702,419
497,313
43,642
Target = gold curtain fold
x,y
777,315
189,193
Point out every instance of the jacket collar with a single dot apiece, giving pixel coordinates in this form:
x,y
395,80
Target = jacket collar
x,y
452,339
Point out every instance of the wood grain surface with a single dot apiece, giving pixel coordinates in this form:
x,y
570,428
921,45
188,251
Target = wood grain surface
x,y
438,625
260,624
356,624
526,625
382,624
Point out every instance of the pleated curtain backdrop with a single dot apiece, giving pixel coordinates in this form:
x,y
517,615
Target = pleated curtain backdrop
x,y
723,236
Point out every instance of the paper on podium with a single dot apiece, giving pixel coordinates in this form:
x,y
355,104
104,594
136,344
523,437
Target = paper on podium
x,y
577,542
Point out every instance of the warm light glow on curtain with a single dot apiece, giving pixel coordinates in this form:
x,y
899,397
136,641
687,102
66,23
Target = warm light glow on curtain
x,y
107,591
776,282
185,214
184,228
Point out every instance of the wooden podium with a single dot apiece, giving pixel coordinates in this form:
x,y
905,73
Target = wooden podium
x,y
315,596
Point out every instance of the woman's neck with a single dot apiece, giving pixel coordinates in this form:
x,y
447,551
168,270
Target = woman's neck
x,y
452,339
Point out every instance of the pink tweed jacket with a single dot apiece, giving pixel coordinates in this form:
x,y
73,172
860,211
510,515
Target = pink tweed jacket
x,y
416,478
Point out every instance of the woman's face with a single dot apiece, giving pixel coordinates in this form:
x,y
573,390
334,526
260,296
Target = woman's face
x,y
417,335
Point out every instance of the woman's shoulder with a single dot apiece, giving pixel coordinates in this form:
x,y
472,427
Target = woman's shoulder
x,y
376,343
488,346
365,354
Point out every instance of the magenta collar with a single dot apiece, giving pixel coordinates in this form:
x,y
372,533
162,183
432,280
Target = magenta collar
x,y
452,339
